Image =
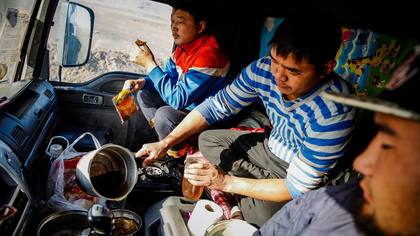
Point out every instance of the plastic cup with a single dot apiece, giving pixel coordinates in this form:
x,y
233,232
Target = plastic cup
x,y
189,190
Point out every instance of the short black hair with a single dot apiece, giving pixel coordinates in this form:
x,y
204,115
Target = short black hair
x,y
309,34
197,9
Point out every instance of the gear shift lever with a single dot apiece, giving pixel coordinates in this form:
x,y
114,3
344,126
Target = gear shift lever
x,y
100,220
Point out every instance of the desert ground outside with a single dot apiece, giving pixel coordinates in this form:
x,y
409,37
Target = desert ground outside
x,y
117,25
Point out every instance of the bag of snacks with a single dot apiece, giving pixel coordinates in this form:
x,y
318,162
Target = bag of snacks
x,y
125,104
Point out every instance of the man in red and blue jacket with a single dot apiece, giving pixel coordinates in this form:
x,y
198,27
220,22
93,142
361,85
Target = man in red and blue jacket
x,y
196,70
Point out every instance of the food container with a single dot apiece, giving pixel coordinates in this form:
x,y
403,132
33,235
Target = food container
x,y
109,172
230,228
125,222
71,223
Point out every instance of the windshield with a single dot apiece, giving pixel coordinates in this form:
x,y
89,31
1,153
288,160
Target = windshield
x,y
14,21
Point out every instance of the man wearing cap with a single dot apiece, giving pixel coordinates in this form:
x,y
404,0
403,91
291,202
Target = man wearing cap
x,y
386,201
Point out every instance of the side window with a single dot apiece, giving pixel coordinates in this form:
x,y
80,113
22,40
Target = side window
x,y
14,23
116,27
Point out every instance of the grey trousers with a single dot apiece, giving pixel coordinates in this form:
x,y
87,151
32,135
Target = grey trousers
x,y
245,154
164,116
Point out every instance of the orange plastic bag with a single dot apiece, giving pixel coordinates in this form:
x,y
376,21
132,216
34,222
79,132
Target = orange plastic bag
x,y
125,104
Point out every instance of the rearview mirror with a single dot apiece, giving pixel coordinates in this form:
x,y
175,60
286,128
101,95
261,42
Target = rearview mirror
x,y
75,43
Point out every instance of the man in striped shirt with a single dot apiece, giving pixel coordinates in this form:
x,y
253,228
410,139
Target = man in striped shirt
x,y
308,134
385,200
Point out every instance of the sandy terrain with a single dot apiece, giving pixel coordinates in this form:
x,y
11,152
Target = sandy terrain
x,y
116,28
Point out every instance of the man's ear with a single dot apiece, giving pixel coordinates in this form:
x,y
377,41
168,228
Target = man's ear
x,y
201,26
328,68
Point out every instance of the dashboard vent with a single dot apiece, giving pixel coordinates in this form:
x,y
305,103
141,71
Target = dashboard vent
x,y
48,93
19,134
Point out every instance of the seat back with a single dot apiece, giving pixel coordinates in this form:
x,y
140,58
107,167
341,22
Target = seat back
x,y
366,59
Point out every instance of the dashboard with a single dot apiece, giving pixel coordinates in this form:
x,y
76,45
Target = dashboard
x,y
14,193
24,119
24,123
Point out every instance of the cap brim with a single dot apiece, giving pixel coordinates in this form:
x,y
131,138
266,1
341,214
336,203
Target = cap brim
x,y
373,104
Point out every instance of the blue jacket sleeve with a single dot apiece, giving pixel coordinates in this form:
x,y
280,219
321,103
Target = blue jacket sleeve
x,y
178,92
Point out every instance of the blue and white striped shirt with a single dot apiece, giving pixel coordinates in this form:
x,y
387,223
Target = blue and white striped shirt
x,y
309,133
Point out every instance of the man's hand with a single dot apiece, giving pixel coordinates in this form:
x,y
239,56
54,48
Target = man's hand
x,y
134,85
152,152
203,173
145,58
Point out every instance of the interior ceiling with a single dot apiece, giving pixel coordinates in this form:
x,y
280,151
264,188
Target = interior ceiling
x,y
396,18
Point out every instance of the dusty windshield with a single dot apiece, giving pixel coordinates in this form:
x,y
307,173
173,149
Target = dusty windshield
x,y
116,28
14,20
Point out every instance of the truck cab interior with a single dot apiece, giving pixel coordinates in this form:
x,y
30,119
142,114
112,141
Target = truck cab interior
x,y
37,105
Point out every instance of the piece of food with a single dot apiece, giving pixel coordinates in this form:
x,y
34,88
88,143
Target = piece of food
x,y
140,42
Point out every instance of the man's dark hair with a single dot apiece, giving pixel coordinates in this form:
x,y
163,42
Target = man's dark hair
x,y
195,7
309,34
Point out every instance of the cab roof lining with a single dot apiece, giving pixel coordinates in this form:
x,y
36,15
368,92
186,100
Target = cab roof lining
x,y
397,18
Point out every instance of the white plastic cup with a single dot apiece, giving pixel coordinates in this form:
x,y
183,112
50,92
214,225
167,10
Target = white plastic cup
x,y
56,150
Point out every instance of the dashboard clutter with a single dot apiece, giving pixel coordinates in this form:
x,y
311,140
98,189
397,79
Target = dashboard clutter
x,y
54,149
7,211
62,187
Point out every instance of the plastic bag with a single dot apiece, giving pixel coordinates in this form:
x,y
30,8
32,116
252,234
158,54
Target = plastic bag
x,y
62,187
125,104
54,149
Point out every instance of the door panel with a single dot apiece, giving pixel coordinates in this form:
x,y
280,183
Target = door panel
x,y
90,104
